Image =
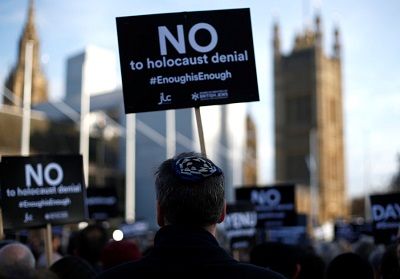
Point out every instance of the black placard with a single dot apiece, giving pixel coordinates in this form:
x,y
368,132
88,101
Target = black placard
x,y
275,205
240,225
41,189
385,212
352,232
102,202
187,59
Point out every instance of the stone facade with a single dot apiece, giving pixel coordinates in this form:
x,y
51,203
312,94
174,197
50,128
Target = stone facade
x,y
308,100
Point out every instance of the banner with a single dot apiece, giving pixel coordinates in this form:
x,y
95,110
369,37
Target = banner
x,y
275,205
385,212
187,59
41,189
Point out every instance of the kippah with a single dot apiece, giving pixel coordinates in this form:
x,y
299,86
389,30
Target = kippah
x,y
194,168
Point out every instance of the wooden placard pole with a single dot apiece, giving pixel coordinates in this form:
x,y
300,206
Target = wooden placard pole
x,y
200,129
1,224
48,245
236,254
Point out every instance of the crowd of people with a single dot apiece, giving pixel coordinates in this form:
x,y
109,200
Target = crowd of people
x,y
89,252
190,203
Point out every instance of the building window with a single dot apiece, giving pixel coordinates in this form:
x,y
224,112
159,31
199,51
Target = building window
x,y
297,169
298,111
333,111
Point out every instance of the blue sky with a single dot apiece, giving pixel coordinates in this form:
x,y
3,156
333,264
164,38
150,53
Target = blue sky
x,y
370,65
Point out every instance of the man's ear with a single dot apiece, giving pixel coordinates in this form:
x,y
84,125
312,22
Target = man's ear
x,y
223,214
160,215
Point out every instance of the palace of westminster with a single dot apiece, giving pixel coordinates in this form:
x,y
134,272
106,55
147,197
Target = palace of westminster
x,y
308,126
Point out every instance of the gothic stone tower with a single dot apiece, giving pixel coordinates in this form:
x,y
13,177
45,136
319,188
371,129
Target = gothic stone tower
x,y
308,100
15,80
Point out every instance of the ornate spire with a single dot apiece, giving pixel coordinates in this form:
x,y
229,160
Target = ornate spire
x,y
30,29
318,33
276,41
15,80
336,45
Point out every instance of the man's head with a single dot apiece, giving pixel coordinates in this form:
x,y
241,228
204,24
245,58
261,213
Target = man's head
x,y
190,190
17,261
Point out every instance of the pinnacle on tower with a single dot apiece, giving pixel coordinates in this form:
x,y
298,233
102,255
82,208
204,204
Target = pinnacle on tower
x,y
15,79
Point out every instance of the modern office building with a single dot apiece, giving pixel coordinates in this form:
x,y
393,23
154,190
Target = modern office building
x,y
309,148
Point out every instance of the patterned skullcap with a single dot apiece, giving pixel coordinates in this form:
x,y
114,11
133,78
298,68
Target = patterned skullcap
x,y
194,168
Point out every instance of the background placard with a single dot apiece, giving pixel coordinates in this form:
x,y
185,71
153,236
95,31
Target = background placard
x,y
42,189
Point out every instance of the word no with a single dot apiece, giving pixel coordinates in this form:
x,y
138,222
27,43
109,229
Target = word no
x,y
38,174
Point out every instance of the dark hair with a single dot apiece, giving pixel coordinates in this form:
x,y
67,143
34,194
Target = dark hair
x,y
280,257
389,267
117,252
349,265
90,242
196,203
72,267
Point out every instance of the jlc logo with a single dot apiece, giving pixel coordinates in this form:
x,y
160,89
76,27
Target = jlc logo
x,y
165,99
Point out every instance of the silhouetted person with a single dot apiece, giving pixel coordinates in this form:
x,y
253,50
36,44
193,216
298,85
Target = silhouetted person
x,y
118,252
363,247
349,265
375,259
312,266
73,267
89,245
17,261
42,259
389,267
190,201
280,257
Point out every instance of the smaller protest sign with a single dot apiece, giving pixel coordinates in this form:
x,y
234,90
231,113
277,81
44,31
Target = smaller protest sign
x,y
275,204
352,232
295,235
385,212
42,189
102,202
240,225
136,229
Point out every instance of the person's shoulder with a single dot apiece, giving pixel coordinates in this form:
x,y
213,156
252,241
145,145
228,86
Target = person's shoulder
x,y
120,271
254,271
230,270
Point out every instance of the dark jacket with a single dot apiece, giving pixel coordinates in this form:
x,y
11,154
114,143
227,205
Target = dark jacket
x,y
181,252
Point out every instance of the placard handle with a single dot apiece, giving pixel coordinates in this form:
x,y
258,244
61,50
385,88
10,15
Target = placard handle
x,y
200,129
48,243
